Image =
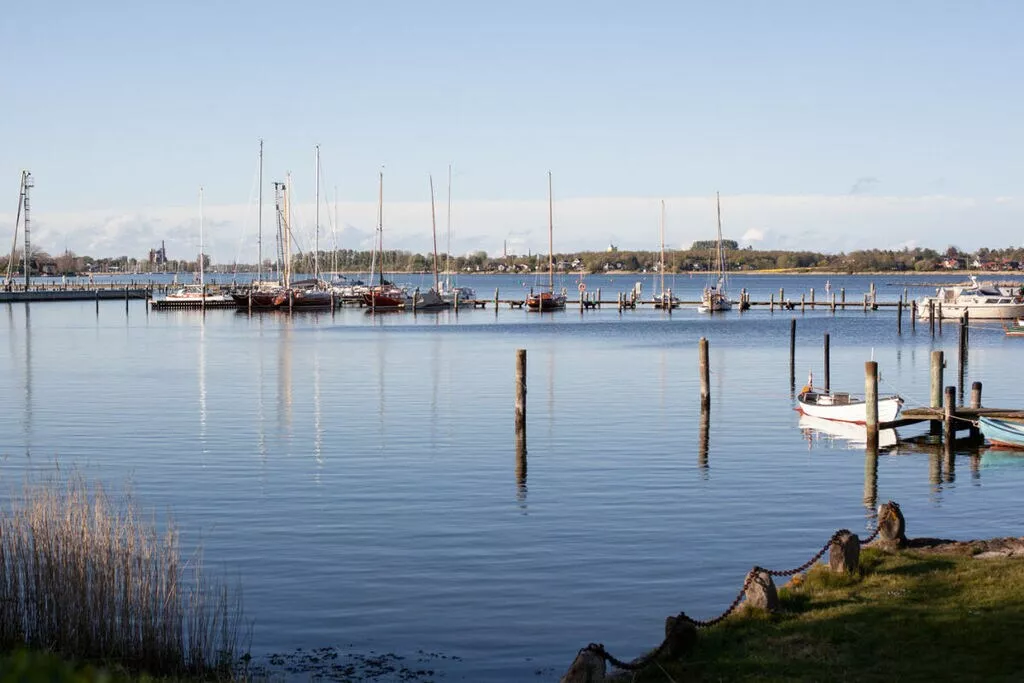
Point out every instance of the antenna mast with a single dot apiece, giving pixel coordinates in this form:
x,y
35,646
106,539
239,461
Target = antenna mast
x,y
26,185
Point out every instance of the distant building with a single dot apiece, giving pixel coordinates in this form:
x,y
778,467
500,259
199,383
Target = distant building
x,y
158,257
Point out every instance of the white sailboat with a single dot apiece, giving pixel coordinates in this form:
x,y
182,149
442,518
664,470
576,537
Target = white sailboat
x,y
195,294
449,290
432,300
665,299
714,298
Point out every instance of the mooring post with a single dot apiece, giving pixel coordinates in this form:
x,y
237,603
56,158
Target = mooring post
x,y
833,303
782,295
126,300
495,298
865,303
520,404
703,439
975,403
949,405
938,363
598,300
803,303
842,297
874,296
913,315
249,298
871,402
827,365
812,297
771,302
705,375
792,354
931,318
938,316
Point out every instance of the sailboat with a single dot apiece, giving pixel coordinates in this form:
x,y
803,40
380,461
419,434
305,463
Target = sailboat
x,y
195,294
448,290
714,297
666,299
549,300
308,294
385,296
432,300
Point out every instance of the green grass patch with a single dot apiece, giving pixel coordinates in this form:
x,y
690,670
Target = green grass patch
x,y
906,616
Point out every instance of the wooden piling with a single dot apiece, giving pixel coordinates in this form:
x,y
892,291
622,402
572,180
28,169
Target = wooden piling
x,y
899,316
938,316
827,364
938,363
833,303
913,315
249,300
126,300
598,301
865,303
705,375
97,302
520,396
949,414
812,297
931,318
871,402
842,297
771,302
803,303
782,295
975,394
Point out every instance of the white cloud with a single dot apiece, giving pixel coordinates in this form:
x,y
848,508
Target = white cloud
x,y
815,222
753,235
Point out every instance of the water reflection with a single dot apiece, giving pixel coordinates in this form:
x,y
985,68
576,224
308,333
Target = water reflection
x,y
202,390
833,433
284,375
520,441
703,439
871,486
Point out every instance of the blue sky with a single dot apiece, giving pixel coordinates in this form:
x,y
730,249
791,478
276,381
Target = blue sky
x,y
122,110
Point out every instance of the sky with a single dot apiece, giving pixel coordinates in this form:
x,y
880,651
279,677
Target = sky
x,y
824,126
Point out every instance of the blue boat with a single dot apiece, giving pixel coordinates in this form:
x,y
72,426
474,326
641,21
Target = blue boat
x,y
1002,432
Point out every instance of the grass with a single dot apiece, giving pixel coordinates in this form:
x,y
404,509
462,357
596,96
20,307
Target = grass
x,y
907,616
85,577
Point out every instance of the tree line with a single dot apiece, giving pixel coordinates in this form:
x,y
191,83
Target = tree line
x,y
697,258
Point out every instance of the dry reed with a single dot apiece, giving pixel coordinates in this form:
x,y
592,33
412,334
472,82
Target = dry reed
x,y
83,576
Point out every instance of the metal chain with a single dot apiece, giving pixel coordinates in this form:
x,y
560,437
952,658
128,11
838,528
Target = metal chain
x,y
642,661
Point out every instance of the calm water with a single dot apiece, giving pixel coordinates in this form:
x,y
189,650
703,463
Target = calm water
x,y
359,476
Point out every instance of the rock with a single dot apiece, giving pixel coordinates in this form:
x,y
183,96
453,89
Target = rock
x,y
761,593
891,525
588,667
844,553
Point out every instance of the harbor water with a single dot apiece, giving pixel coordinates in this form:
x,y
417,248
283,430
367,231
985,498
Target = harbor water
x,y
357,475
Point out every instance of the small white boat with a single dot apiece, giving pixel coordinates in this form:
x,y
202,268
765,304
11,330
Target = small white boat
x,y
981,300
844,407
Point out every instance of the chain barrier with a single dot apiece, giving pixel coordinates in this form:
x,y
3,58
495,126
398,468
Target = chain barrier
x,y
642,661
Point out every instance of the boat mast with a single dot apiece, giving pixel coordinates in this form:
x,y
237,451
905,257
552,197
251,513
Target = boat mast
x,y
316,238
201,284
721,254
334,233
278,186
551,243
380,231
433,228
662,268
259,221
448,250
286,233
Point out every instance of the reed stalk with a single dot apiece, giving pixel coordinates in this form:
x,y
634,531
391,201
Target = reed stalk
x,y
84,576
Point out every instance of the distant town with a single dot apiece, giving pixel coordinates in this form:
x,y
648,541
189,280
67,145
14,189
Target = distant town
x,y
695,259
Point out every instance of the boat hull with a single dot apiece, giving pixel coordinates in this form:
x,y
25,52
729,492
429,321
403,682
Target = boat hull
x,y
545,301
843,408
1002,433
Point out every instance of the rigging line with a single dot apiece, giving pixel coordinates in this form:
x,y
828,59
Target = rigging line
x,y
244,233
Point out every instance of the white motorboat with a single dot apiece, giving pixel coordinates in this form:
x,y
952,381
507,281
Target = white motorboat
x,y
981,300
